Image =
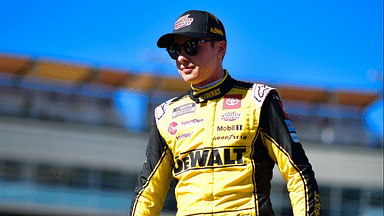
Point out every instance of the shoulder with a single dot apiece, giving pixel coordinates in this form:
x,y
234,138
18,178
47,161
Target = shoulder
x,y
259,92
161,110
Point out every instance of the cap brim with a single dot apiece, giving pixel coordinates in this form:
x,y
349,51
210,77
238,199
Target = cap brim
x,y
168,39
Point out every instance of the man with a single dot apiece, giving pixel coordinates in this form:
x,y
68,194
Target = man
x,y
221,139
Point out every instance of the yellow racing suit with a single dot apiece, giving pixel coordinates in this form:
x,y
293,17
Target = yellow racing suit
x,y
221,144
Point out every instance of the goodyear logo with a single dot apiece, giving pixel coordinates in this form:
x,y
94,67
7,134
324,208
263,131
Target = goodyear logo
x,y
210,158
230,137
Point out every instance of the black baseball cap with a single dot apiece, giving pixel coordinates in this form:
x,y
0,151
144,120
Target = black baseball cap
x,y
195,24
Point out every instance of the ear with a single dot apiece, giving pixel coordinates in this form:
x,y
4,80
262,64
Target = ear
x,y
222,48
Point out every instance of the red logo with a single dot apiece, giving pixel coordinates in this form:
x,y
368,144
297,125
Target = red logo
x,y
232,101
182,22
172,128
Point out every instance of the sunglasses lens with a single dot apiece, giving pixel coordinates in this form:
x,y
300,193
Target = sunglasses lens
x,y
191,48
173,52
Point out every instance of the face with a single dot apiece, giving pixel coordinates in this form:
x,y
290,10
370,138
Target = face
x,y
203,68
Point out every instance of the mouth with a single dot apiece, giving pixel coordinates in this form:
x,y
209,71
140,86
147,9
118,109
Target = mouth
x,y
186,69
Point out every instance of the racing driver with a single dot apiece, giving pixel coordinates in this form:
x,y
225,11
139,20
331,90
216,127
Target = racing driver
x,y
222,138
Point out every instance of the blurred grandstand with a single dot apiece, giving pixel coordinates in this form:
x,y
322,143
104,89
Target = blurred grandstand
x,y
73,137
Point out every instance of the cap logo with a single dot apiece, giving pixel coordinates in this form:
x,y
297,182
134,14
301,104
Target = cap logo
x,y
183,21
217,31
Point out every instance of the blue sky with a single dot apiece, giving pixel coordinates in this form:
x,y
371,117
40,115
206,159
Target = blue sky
x,y
331,44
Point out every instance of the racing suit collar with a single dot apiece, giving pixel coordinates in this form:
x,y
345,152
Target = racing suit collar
x,y
212,92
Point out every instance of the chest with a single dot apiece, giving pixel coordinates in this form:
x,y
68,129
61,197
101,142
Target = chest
x,y
220,128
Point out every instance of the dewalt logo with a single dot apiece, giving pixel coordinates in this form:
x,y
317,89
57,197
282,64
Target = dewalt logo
x,y
210,94
210,158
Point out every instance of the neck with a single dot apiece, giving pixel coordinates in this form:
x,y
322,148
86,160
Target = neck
x,y
208,85
214,90
211,83
218,75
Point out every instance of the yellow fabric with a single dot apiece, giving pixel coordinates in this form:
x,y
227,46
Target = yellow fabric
x,y
296,183
212,145
155,188
224,181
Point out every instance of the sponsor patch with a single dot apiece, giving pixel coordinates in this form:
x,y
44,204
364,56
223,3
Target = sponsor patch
x,y
192,122
230,116
230,137
183,21
209,94
172,128
216,157
260,91
184,135
230,128
161,110
289,126
294,137
184,109
217,31
232,101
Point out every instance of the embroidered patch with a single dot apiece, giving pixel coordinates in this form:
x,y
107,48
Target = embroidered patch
x,y
230,116
289,125
192,122
172,128
183,21
259,93
184,135
210,94
161,110
230,128
294,137
184,109
217,31
232,101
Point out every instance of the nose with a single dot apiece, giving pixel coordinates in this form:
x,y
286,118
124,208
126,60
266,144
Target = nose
x,y
183,57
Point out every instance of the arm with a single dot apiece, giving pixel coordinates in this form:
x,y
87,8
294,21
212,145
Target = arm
x,y
155,177
285,149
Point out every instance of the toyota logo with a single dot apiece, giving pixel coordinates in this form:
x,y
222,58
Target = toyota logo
x,y
232,101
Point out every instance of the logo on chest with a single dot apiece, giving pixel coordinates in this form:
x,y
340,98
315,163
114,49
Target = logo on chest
x,y
192,122
230,128
232,101
183,109
230,116
172,128
219,157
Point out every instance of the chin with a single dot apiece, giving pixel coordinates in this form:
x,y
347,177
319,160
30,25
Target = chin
x,y
189,78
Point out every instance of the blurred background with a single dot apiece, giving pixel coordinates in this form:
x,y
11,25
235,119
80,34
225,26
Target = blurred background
x,y
79,82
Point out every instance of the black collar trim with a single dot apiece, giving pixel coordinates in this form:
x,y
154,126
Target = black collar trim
x,y
213,92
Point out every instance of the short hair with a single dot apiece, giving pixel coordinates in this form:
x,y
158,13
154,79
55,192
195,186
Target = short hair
x,y
213,46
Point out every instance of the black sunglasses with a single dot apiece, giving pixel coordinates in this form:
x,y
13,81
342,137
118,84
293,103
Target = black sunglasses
x,y
190,47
